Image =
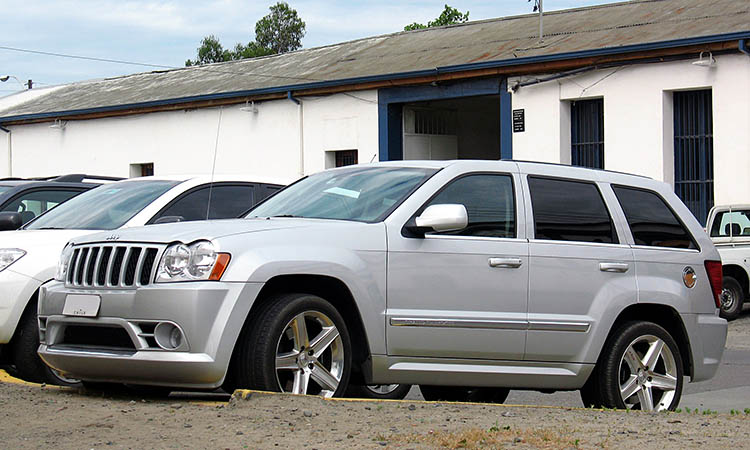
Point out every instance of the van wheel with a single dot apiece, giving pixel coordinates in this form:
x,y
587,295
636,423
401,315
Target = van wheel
x,y
29,366
379,391
732,298
463,394
641,368
299,344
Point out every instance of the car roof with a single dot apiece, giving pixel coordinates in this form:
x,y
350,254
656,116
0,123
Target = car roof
x,y
203,178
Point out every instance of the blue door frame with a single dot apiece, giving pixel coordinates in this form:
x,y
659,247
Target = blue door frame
x,y
391,104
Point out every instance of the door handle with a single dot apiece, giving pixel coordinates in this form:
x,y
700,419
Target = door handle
x,y
506,263
614,267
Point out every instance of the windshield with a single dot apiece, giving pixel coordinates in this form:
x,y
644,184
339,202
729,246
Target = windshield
x,y
363,194
103,208
4,188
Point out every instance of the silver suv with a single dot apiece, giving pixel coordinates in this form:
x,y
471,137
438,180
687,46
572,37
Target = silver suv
x,y
468,278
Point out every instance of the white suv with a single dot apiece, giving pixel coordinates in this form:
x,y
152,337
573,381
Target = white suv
x,y
28,257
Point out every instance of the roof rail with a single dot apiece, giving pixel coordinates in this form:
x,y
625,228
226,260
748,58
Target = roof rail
x,y
79,177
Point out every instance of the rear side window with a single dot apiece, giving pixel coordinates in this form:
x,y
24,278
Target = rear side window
x,y
651,221
567,210
227,201
489,202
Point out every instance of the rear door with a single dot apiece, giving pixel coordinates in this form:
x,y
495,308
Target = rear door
x,y
579,269
462,294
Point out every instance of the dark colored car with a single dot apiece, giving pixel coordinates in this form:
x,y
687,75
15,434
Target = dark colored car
x,y
24,199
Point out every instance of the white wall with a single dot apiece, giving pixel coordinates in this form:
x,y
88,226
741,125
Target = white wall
x,y
638,119
264,142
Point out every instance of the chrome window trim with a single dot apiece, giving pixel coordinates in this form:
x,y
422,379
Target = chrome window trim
x,y
590,244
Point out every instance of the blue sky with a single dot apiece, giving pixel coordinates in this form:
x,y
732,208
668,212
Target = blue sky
x,y
167,32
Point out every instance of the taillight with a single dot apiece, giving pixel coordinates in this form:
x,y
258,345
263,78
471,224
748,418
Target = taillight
x,y
715,276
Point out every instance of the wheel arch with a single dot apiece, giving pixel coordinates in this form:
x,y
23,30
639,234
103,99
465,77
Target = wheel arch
x,y
662,315
740,274
331,289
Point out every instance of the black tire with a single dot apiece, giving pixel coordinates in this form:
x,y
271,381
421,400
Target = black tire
x,y
29,366
615,370
379,391
732,298
464,394
268,333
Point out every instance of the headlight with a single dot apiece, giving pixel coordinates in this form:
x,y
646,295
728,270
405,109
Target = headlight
x,y
197,261
9,255
64,263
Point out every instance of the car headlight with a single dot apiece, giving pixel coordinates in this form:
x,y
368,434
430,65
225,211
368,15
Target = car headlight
x,y
197,261
9,255
64,263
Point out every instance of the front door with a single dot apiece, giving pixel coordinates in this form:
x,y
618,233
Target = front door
x,y
462,294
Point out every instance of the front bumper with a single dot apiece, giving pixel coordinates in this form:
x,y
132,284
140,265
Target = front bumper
x,y
118,345
708,336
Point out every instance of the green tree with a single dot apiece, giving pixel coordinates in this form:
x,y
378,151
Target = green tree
x,y
449,16
210,51
278,32
282,30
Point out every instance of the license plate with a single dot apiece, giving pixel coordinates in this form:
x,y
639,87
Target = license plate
x,y
81,305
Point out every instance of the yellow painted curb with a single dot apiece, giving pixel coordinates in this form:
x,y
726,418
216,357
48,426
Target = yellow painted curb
x,y
5,378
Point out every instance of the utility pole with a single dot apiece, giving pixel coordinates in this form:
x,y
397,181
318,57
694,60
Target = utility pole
x,y
541,27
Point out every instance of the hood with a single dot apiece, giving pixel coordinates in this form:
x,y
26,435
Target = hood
x,y
188,232
42,247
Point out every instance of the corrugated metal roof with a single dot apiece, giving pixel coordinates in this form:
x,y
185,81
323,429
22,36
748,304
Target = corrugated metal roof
x,y
510,39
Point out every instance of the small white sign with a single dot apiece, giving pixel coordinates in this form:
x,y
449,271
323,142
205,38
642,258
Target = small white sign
x,y
81,305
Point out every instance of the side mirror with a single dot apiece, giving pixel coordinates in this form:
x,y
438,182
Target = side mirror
x,y
10,221
169,219
447,217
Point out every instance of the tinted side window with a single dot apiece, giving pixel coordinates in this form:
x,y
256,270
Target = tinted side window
x,y
489,201
33,203
651,221
226,202
570,211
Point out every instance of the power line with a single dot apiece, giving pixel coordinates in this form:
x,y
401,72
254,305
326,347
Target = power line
x,y
158,66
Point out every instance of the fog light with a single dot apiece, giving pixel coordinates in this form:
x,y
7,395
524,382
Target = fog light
x,y
168,336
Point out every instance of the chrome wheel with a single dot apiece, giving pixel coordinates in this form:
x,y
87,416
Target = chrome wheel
x,y
382,389
728,299
648,374
310,355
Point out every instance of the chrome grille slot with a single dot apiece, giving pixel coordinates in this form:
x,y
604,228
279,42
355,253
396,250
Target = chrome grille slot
x,y
108,266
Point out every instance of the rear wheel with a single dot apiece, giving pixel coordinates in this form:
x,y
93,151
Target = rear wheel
x,y
298,344
732,298
379,391
464,394
641,368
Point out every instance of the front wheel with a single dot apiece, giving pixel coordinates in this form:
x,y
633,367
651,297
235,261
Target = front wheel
x,y
641,368
732,298
463,394
299,344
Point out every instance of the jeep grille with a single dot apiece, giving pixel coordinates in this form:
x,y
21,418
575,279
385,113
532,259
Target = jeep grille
x,y
112,266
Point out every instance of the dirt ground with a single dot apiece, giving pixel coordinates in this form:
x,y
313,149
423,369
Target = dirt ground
x,y
36,416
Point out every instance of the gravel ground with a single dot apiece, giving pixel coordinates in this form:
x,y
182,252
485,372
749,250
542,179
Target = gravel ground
x,y
39,417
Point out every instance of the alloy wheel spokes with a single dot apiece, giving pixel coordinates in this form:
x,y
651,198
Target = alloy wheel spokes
x,y
648,377
310,366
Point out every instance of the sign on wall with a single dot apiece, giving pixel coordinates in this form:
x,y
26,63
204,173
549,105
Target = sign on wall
x,y
519,124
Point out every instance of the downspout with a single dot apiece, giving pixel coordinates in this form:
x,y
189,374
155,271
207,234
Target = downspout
x,y
743,47
10,151
291,97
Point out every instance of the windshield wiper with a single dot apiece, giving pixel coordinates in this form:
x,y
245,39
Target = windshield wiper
x,y
285,215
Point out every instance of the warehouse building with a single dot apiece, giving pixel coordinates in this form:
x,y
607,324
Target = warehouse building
x,y
654,87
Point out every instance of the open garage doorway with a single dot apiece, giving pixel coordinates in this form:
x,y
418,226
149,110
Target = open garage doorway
x,y
462,128
457,120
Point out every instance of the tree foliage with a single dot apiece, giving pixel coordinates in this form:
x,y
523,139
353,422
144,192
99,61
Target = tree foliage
x,y
280,31
449,16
